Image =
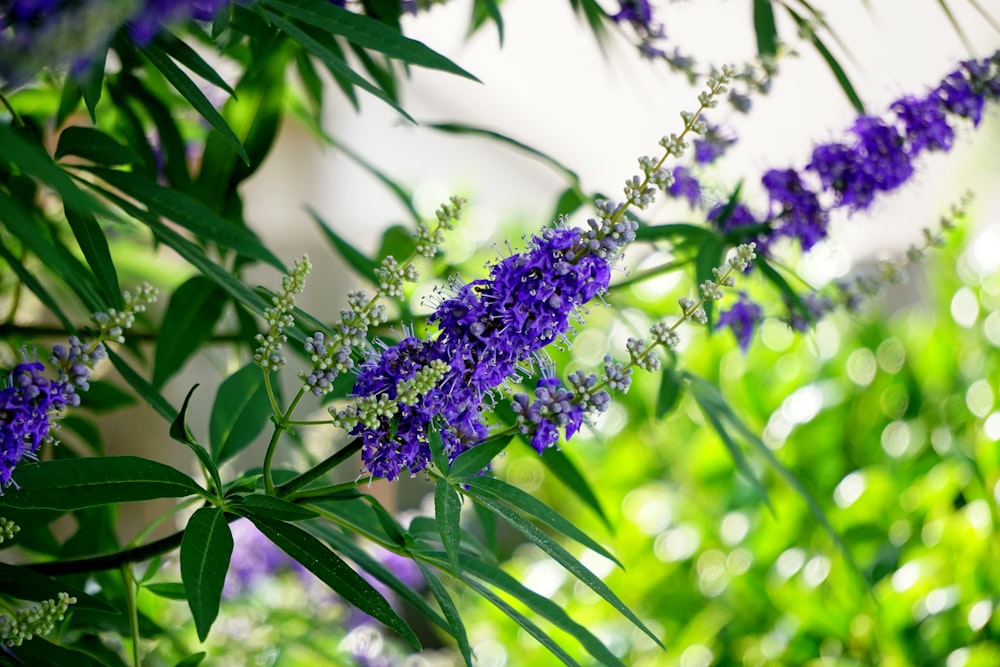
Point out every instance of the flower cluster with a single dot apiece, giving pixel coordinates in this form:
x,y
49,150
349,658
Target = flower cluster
x,y
50,33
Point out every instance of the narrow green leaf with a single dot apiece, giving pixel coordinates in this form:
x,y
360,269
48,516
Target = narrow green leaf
x,y
40,652
25,584
559,464
569,202
72,484
671,231
188,322
240,412
185,55
956,26
310,81
170,590
193,660
448,510
779,281
180,432
354,257
206,548
521,620
838,71
488,523
172,163
69,100
335,573
438,457
31,282
543,606
92,83
271,507
367,32
483,9
460,128
564,558
143,388
387,521
670,392
94,145
334,62
473,461
456,626
190,214
765,29
490,487
189,90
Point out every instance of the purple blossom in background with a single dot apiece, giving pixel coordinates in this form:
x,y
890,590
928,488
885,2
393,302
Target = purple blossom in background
x,y
488,330
795,208
637,12
817,304
738,215
741,318
712,145
255,558
685,185
156,14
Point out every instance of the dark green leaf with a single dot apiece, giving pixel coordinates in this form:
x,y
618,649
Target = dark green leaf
x,y
367,32
172,160
171,590
240,412
448,511
564,558
180,432
569,202
791,296
473,461
40,652
765,29
456,626
270,507
24,584
335,573
73,484
484,486
386,520
560,465
69,100
188,322
36,287
94,145
483,9
670,392
670,232
205,552
92,83
710,256
146,391
354,257
192,660
192,93
190,214
185,55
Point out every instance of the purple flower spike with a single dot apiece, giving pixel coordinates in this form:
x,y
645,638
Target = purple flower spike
x,y
742,318
685,185
552,409
798,209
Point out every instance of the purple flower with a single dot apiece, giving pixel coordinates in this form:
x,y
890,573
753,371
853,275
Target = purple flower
x,y
255,558
552,409
816,304
926,125
799,212
711,145
741,318
636,12
727,218
685,185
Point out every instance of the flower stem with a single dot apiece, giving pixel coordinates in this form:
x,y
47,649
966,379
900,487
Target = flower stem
x,y
320,469
281,423
133,611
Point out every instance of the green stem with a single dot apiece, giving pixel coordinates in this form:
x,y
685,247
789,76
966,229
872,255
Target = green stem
x,y
328,492
320,469
17,119
281,423
133,611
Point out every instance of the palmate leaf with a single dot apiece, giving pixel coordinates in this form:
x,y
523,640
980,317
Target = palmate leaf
x,y
73,484
564,558
206,548
335,573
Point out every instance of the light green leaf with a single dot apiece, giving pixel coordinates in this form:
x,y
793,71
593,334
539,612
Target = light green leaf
x,y
473,461
72,484
206,548
240,412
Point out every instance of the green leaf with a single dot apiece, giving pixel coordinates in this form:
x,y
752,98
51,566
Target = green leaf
x,y
92,83
473,461
185,55
69,100
838,71
564,558
190,214
335,573
25,584
710,256
543,606
367,32
240,412
569,202
490,487
94,145
206,548
483,9
271,507
488,522
191,315
171,590
192,93
560,465
779,281
180,432
192,660
332,59
671,231
460,128
105,396
173,162
448,511
765,29
670,392
31,282
146,391
73,484
438,457
40,652
354,257
455,625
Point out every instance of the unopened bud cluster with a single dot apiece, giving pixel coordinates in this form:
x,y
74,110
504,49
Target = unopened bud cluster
x,y
113,324
8,529
33,621
279,317
370,410
448,214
